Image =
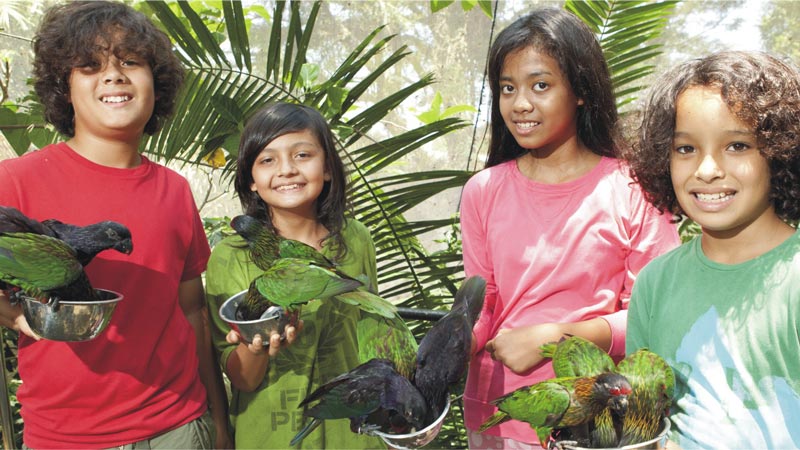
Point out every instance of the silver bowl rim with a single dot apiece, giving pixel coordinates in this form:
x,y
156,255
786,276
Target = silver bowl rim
x,y
242,322
438,422
117,297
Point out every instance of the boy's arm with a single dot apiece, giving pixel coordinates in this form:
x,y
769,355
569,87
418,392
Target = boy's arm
x,y
192,301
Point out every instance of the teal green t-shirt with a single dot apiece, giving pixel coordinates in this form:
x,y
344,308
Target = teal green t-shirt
x,y
732,335
327,347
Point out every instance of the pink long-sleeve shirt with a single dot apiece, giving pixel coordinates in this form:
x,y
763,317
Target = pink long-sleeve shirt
x,y
558,253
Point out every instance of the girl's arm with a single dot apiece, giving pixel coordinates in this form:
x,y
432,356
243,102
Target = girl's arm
x,y
247,365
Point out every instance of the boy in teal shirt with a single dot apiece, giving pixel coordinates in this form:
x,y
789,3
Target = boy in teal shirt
x,y
719,144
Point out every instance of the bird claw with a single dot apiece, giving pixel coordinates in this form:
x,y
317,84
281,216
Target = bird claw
x,y
368,429
54,303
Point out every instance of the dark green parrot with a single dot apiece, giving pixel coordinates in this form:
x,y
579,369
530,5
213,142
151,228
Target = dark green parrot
x,y
574,356
13,221
373,396
444,351
291,282
253,305
43,267
653,385
262,242
561,402
387,338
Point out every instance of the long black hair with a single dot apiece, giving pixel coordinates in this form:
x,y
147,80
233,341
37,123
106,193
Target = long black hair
x,y
565,38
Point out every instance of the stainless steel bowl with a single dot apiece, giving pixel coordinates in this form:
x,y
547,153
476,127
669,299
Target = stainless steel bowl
x,y
273,319
74,321
417,439
658,442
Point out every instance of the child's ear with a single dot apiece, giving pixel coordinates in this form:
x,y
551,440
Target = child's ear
x,y
253,187
326,176
580,102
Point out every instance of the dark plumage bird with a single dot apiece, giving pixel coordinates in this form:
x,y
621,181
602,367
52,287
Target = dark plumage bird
x,y
92,239
43,267
373,396
444,351
561,402
46,259
262,242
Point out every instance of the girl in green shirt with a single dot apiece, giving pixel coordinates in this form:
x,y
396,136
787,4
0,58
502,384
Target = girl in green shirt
x,y
290,176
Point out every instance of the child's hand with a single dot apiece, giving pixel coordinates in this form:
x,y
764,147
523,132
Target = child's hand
x,y
273,345
518,348
11,316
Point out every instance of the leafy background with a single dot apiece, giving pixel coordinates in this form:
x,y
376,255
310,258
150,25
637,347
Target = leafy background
x,y
406,97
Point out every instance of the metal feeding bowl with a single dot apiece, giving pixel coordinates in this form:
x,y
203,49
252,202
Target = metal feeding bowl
x,y
417,439
658,442
273,319
73,321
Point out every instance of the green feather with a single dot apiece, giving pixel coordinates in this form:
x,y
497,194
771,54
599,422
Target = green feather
x,y
387,338
37,263
290,282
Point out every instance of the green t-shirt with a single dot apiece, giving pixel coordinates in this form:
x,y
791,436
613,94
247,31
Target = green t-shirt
x,y
327,347
732,336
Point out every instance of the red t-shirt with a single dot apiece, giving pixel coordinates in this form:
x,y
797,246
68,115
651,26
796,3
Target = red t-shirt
x,y
139,378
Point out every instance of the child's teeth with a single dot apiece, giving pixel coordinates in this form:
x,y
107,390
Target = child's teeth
x,y
116,99
718,197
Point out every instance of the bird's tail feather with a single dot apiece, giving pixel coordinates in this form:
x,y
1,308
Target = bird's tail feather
x,y
496,419
310,426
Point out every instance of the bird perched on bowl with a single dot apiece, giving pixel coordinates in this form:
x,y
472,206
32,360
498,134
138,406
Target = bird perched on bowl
x,y
444,351
653,383
561,402
373,396
46,259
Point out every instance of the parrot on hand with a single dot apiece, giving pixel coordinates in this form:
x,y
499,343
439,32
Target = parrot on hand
x,y
43,267
574,356
444,351
561,402
373,396
92,239
262,242
653,383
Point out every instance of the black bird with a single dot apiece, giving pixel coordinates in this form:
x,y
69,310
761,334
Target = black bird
x,y
374,396
444,351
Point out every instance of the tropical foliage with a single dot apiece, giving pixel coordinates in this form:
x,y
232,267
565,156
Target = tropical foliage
x,y
225,85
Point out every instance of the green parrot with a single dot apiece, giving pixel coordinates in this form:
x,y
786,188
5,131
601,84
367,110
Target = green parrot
x,y
290,282
253,305
43,267
653,385
561,402
262,242
387,338
574,356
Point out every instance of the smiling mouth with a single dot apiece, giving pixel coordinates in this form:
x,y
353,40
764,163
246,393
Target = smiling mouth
x,y
116,99
526,125
718,197
288,187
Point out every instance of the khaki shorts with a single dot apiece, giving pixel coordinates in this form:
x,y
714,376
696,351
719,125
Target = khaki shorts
x,y
197,434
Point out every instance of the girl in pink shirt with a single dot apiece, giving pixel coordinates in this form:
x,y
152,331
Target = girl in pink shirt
x,y
554,223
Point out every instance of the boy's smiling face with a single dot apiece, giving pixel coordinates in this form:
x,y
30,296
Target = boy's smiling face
x,y
721,180
113,97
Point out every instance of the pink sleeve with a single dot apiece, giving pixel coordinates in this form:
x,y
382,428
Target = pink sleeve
x,y
476,257
651,234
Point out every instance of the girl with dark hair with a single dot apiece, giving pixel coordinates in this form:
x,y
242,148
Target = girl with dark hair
x,y
290,176
720,144
554,223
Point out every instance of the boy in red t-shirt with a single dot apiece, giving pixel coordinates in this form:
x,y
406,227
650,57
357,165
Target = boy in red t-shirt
x,y
106,75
